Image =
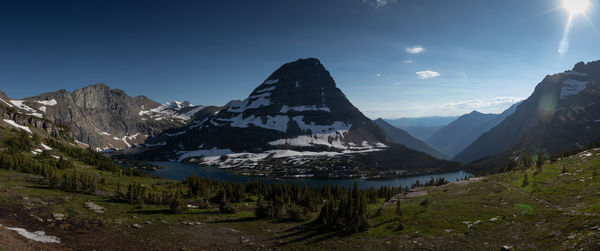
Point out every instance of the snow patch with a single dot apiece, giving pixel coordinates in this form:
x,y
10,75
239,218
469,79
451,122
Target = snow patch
x,y
271,82
303,108
13,123
46,147
572,87
214,152
51,102
574,73
8,104
39,236
333,140
278,123
20,104
336,126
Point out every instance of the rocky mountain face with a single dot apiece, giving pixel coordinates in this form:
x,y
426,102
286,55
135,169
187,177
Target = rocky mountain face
x,y
297,116
458,135
562,113
402,137
11,116
105,118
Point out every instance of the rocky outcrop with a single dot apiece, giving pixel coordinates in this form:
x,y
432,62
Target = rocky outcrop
x,y
102,117
9,112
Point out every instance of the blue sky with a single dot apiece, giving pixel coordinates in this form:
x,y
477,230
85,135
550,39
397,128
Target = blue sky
x,y
488,53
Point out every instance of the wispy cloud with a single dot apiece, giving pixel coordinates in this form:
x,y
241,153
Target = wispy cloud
x,y
379,3
408,61
415,50
428,74
378,75
482,104
456,108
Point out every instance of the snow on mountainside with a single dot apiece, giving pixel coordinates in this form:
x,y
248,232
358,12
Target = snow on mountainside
x,y
105,118
559,115
296,115
173,110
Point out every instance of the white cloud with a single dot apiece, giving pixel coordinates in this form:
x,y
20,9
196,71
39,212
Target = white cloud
x,y
428,74
431,108
415,50
408,61
482,104
378,75
379,3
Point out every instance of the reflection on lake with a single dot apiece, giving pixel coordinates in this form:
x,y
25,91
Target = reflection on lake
x,y
179,171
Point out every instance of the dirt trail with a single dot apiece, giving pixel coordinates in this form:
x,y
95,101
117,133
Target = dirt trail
x,y
423,191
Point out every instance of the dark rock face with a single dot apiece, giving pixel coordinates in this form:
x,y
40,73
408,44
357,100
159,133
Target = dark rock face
x,y
298,112
102,117
402,137
562,113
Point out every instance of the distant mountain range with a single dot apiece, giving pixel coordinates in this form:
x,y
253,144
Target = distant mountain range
x,y
297,122
421,127
456,136
402,137
562,113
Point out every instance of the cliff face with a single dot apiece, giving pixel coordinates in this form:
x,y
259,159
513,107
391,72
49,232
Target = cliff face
x,y
102,117
10,112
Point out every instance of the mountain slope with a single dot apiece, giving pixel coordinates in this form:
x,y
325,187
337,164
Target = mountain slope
x,y
458,135
402,137
297,116
562,113
421,132
101,117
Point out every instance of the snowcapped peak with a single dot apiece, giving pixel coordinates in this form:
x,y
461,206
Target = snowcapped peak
x,y
177,105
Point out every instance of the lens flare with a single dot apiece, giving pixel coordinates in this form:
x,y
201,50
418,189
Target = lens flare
x,y
576,7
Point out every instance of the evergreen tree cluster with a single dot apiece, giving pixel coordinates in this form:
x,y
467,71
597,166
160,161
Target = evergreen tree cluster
x,y
348,214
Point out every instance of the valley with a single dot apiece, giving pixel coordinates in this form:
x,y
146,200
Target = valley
x,y
556,209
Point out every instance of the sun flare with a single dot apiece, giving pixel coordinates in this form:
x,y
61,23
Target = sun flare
x,y
576,7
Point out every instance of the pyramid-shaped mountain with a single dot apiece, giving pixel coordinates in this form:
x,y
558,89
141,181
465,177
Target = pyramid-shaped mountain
x,y
298,112
562,113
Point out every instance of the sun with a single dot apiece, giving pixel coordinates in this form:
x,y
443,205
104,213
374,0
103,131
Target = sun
x,y
576,7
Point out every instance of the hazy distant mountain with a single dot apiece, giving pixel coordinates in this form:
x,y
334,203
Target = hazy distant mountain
x,y
402,137
562,113
431,121
105,118
422,132
456,136
299,116
421,127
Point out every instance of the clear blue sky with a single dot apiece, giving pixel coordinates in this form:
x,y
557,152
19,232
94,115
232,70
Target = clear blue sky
x,y
488,53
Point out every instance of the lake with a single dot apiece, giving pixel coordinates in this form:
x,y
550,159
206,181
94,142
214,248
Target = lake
x,y
179,171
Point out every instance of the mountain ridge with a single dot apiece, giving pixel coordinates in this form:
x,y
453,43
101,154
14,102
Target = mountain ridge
x,y
560,114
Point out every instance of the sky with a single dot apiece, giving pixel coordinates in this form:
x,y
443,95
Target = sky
x,y
392,58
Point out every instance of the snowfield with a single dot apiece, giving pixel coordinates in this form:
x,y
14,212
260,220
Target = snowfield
x,y
572,87
39,236
20,104
51,102
13,123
